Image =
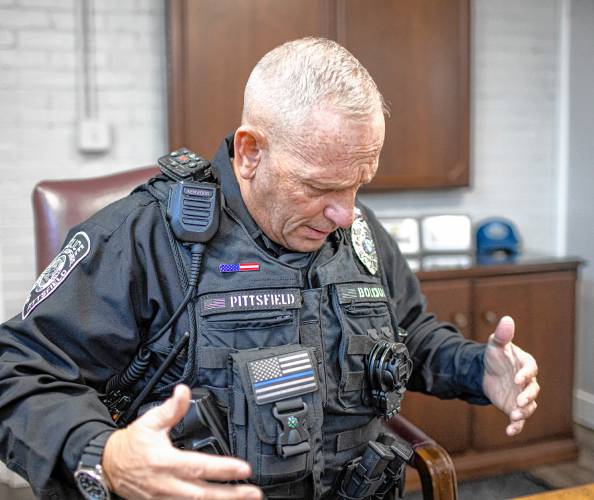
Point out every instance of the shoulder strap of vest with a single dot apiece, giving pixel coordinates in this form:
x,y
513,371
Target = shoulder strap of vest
x,y
158,186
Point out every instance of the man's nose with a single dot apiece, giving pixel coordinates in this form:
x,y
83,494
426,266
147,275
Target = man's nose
x,y
340,214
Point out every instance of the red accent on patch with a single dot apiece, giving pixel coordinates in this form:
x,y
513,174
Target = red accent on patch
x,y
249,266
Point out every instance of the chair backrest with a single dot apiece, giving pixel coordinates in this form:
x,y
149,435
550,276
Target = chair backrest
x,y
59,205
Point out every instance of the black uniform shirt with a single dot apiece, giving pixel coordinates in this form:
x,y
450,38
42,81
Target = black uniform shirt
x,y
115,283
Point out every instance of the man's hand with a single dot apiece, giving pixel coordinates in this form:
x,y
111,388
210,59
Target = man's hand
x,y
140,461
510,377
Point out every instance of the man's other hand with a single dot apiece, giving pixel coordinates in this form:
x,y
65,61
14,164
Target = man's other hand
x,y
140,461
509,380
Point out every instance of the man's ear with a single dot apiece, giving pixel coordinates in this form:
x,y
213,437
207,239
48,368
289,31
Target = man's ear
x,y
248,144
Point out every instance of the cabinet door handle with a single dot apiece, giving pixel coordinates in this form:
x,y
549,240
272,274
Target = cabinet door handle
x,y
460,320
490,317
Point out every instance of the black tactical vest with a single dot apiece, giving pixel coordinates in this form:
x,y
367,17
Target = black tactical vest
x,y
283,351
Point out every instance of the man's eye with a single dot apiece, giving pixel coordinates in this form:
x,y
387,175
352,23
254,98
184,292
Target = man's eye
x,y
312,191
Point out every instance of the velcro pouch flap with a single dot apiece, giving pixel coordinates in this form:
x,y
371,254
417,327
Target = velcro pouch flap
x,y
275,374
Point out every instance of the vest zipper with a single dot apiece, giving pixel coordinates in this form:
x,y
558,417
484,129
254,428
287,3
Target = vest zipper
x,y
306,269
282,317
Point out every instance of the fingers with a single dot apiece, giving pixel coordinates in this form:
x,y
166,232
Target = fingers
x,y
145,465
525,410
181,489
166,415
529,368
194,465
504,332
529,394
518,414
141,462
515,428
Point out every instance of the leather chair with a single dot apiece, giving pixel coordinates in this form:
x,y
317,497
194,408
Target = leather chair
x,y
432,463
59,205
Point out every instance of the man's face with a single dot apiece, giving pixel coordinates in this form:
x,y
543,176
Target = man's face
x,y
301,194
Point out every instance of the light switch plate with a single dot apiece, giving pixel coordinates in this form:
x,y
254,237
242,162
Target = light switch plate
x,y
94,136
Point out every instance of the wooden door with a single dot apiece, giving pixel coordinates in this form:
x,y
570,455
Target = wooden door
x,y
418,53
214,44
446,421
542,306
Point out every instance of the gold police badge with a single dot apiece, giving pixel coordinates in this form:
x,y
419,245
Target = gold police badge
x,y
363,243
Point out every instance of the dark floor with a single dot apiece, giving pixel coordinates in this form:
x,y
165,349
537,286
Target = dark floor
x,y
494,488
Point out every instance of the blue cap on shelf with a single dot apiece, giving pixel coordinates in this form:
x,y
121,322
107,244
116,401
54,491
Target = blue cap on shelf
x,y
497,235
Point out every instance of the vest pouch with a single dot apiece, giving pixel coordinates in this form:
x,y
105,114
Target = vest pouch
x,y
275,414
250,319
362,310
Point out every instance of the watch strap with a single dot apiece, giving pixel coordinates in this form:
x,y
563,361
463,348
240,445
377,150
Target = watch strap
x,y
93,452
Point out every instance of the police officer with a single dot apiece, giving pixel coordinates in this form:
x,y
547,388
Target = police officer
x,y
296,288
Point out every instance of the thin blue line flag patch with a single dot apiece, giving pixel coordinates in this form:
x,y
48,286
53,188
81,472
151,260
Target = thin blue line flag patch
x,y
283,376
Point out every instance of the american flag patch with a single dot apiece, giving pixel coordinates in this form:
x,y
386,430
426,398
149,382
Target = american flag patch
x,y
348,294
284,376
236,268
213,304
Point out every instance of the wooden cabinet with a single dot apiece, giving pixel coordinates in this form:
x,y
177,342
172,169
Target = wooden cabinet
x,y
540,296
418,53
450,301
213,46
542,306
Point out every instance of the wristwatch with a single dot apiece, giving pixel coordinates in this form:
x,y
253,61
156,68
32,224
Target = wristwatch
x,y
89,474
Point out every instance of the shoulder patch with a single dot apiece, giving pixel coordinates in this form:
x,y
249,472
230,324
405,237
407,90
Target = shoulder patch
x,y
58,270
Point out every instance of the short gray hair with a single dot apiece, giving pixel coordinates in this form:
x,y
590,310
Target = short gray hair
x,y
293,79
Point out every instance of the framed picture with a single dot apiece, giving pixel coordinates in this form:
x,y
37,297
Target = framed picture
x,y
446,261
446,234
405,230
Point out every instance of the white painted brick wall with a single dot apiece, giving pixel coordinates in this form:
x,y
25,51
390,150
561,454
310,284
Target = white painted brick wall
x,y
514,93
38,104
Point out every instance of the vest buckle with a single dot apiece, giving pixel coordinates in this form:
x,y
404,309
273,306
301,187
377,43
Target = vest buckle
x,y
293,436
